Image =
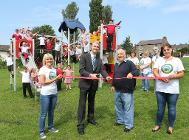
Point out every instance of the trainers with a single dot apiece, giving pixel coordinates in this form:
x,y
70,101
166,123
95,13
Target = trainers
x,y
42,135
53,130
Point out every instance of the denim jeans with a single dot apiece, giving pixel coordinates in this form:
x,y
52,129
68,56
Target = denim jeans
x,y
171,100
124,107
47,103
145,83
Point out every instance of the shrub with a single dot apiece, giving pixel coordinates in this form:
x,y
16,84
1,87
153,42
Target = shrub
x,y
2,64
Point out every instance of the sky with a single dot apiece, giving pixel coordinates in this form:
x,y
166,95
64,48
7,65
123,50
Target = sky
x,y
141,19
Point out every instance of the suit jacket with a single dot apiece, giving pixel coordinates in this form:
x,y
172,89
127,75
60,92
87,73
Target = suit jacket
x,y
86,68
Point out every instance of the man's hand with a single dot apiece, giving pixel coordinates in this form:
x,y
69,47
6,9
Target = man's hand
x,y
108,78
129,76
93,76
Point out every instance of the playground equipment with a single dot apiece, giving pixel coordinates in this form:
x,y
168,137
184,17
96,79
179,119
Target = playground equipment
x,y
15,50
112,52
102,36
70,26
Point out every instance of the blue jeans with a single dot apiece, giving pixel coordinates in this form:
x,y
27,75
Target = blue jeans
x,y
124,107
145,83
171,100
47,103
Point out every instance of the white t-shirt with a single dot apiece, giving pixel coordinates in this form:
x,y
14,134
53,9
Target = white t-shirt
x,y
24,49
154,59
78,51
57,46
49,74
41,40
145,61
104,59
167,68
134,60
86,47
9,61
25,77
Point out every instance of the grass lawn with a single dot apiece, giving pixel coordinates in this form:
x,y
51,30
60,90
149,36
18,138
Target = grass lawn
x,y
19,116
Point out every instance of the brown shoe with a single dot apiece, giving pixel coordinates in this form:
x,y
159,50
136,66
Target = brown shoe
x,y
156,128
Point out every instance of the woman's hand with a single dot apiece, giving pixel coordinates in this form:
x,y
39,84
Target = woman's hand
x,y
113,89
166,80
59,76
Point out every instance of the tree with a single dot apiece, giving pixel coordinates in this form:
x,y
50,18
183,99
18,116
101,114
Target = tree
x,y
95,14
47,29
184,50
107,14
127,45
71,11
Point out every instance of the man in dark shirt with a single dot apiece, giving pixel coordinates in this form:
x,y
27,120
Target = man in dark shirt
x,y
123,88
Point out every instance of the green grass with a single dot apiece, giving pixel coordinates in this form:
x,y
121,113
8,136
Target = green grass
x,y
19,116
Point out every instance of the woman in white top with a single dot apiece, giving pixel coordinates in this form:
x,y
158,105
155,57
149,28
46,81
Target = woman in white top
x,y
134,59
48,94
167,89
146,70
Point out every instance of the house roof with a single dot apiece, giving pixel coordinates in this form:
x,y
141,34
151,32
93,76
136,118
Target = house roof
x,y
4,48
73,25
153,42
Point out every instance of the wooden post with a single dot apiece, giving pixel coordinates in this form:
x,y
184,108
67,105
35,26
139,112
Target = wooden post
x,y
101,51
14,63
68,46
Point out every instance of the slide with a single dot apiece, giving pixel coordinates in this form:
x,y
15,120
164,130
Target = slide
x,y
30,64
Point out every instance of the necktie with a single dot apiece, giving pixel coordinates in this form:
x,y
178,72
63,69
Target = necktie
x,y
93,62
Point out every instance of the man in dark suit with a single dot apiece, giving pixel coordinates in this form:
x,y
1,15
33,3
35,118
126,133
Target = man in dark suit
x,y
90,66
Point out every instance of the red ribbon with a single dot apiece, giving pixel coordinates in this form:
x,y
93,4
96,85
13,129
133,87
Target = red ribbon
x,y
134,77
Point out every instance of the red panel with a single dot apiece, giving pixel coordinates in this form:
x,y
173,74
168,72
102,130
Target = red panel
x,y
104,42
18,42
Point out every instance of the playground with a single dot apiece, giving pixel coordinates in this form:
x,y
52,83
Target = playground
x,y
70,40
19,116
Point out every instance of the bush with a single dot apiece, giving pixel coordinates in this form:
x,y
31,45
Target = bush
x,y
2,64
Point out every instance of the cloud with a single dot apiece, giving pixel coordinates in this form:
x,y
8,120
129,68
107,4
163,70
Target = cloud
x,y
177,8
135,3
143,3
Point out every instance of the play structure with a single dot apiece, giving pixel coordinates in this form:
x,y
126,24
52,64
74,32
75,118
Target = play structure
x,y
24,49
107,48
15,49
70,26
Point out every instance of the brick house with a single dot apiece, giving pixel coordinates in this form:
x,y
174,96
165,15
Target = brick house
x,y
148,45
